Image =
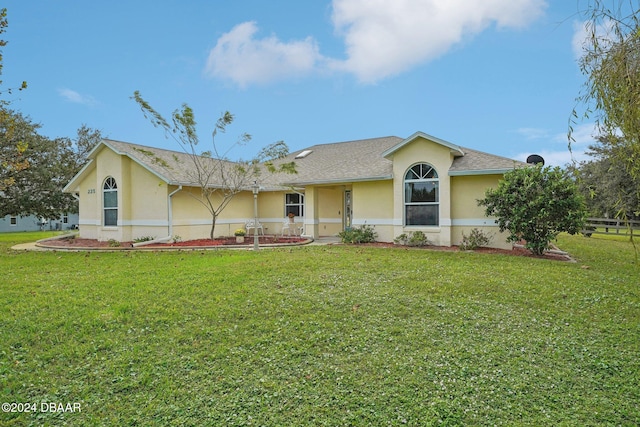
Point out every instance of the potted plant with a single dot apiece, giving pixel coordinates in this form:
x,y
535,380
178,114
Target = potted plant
x,y
291,215
239,233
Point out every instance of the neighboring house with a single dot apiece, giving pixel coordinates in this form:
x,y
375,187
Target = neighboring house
x,y
12,223
396,185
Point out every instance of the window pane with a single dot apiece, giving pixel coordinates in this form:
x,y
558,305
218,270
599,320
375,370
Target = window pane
x,y
416,192
428,172
110,199
292,198
110,217
422,214
294,203
293,209
110,184
411,174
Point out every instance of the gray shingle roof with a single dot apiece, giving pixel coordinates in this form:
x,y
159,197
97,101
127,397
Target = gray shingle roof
x,y
351,161
477,162
174,167
364,160
342,162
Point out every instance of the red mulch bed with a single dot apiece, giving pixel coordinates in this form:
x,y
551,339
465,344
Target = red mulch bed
x,y
81,243
228,241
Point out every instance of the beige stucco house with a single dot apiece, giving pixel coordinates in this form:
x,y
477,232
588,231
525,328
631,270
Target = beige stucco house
x,y
395,185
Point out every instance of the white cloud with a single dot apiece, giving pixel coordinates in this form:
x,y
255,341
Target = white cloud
x,y
584,135
554,157
382,38
244,59
579,38
77,98
582,35
386,37
533,133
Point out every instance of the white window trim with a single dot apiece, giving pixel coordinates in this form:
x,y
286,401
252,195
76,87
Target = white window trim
x,y
114,189
299,205
404,194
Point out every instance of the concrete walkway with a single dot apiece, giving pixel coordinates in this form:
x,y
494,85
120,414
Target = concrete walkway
x,y
327,240
31,246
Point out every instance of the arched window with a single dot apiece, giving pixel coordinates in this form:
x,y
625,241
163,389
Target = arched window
x,y
421,196
110,202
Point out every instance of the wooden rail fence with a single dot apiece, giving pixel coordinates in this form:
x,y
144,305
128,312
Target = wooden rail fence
x,y
621,227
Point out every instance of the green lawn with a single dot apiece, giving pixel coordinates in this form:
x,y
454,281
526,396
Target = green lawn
x,y
319,336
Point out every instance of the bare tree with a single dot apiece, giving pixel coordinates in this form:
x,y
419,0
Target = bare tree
x,y
218,178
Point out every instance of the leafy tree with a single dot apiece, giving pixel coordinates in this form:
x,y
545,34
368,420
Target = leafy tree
x,y
218,178
12,150
37,190
535,204
12,157
611,64
609,191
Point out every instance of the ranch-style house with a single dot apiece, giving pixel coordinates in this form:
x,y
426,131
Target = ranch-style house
x,y
396,185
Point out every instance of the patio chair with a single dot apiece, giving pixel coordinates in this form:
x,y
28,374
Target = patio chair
x,y
290,226
251,224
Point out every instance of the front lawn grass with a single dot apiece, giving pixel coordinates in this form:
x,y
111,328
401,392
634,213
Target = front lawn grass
x,y
327,335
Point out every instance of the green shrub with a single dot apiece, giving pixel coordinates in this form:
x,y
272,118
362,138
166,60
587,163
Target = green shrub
x,y
113,243
364,234
414,238
143,239
476,239
418,239
401,239
535,204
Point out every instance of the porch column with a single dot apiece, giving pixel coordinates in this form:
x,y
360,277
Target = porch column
x,y
311,212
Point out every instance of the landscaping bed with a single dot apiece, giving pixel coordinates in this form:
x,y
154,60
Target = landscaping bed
x,y
230,241
82,243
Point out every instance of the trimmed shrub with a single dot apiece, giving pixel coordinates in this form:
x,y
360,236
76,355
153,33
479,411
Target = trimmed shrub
x,y
364,234
414,238
476,239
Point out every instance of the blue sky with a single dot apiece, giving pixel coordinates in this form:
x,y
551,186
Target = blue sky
x,y
495,75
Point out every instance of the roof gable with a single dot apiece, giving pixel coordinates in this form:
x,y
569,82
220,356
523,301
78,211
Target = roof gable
x,y
172,167
455,150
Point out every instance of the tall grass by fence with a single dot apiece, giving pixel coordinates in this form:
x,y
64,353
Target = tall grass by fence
x,y
621,227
